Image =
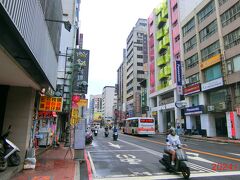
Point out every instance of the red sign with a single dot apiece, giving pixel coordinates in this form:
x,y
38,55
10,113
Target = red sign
x,y
146,120
192,89
46,114
232,124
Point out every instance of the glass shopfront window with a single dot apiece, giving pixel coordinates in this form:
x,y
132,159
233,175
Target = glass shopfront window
x,y
212,73
216,97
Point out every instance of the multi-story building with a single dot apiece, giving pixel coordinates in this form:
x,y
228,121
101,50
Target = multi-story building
x,y
28,51
109,99
136,47
121,89
95,108
210,38
162,85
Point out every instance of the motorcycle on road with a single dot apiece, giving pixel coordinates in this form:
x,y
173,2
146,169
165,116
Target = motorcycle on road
x,y
180,162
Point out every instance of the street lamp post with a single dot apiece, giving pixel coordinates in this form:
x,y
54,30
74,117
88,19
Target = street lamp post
x,y
67,24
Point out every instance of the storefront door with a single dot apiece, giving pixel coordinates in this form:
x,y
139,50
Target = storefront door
x,y
221,126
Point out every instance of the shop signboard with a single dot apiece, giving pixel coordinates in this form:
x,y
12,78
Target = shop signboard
x,y
97,116
194,110
210,62
50,104
179,76
212,84
192,89
80,73
232,120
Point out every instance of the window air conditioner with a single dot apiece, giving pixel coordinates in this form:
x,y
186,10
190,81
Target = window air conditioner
x,y
222,106
210,108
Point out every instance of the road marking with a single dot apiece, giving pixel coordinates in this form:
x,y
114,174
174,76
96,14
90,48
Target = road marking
x,y
201,159
160,154
199,168
129,158
191,153
120,150
193,150
114,145
213,174
234,154
92,165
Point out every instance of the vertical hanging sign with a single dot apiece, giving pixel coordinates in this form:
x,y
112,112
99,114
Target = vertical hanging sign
x,y
179,77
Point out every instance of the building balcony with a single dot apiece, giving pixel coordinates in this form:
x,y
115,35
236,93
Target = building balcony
x,y
160,34
161,74
161,20
161,60
167,70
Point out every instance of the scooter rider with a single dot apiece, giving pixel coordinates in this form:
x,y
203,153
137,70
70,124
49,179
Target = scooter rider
x,y
172,142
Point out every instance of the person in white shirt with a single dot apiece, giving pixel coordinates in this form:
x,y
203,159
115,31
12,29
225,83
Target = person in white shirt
x,y
172,142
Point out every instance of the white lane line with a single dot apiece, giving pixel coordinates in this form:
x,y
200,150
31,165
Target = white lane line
x,y
92,165
234,154
144,148
197,167
232,173
122,150
160,154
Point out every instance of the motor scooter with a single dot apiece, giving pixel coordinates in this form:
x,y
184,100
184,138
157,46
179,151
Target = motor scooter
x,y
95,132
8,152
115,135
88,138
106,133
180,162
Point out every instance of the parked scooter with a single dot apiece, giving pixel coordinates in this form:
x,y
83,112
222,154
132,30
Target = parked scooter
x,y
180,162
88,138
8,152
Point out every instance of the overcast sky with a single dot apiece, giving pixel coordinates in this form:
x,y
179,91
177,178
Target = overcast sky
x,y
105,25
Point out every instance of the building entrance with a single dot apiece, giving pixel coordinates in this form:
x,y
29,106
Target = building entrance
x,y
221,126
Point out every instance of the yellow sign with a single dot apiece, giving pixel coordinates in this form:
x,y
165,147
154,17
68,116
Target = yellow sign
x,y
97,116
154,113
74,117
50,104
82,102
213,60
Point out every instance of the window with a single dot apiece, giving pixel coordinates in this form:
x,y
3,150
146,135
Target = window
x,y
210,51
190,44
174,23
232,39
192,61
212,73
208,31
139,48
233,65
139,64
230,15
237,93
217,97
175,7
206,11
188,27
221,2
177,38
138,88
130,90
192,79
139,56
140,72
195,100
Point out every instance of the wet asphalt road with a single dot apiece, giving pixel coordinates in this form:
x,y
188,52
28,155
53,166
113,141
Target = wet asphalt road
x,y
134,157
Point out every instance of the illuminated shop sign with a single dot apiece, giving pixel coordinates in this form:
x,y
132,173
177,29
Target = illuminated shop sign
x,y
213,60
212,84
192,89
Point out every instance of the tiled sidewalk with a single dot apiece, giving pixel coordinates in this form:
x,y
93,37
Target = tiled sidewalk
x,y
51,165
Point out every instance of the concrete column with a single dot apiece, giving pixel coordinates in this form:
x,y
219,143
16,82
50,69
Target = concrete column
x,y
177,111
19,114
161,122
209,123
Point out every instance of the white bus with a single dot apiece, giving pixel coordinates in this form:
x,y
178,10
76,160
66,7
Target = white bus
x,y
139,125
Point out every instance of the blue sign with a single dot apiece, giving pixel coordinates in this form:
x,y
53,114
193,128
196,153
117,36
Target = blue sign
x,y
194,110
179,73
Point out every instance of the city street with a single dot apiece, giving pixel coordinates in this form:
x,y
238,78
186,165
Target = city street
x,y
134,157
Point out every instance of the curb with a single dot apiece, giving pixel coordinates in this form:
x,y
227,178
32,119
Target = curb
x,y
89,169
207,139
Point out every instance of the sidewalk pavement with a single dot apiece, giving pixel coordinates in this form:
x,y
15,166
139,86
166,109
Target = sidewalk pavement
x,y
51,165
213,139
